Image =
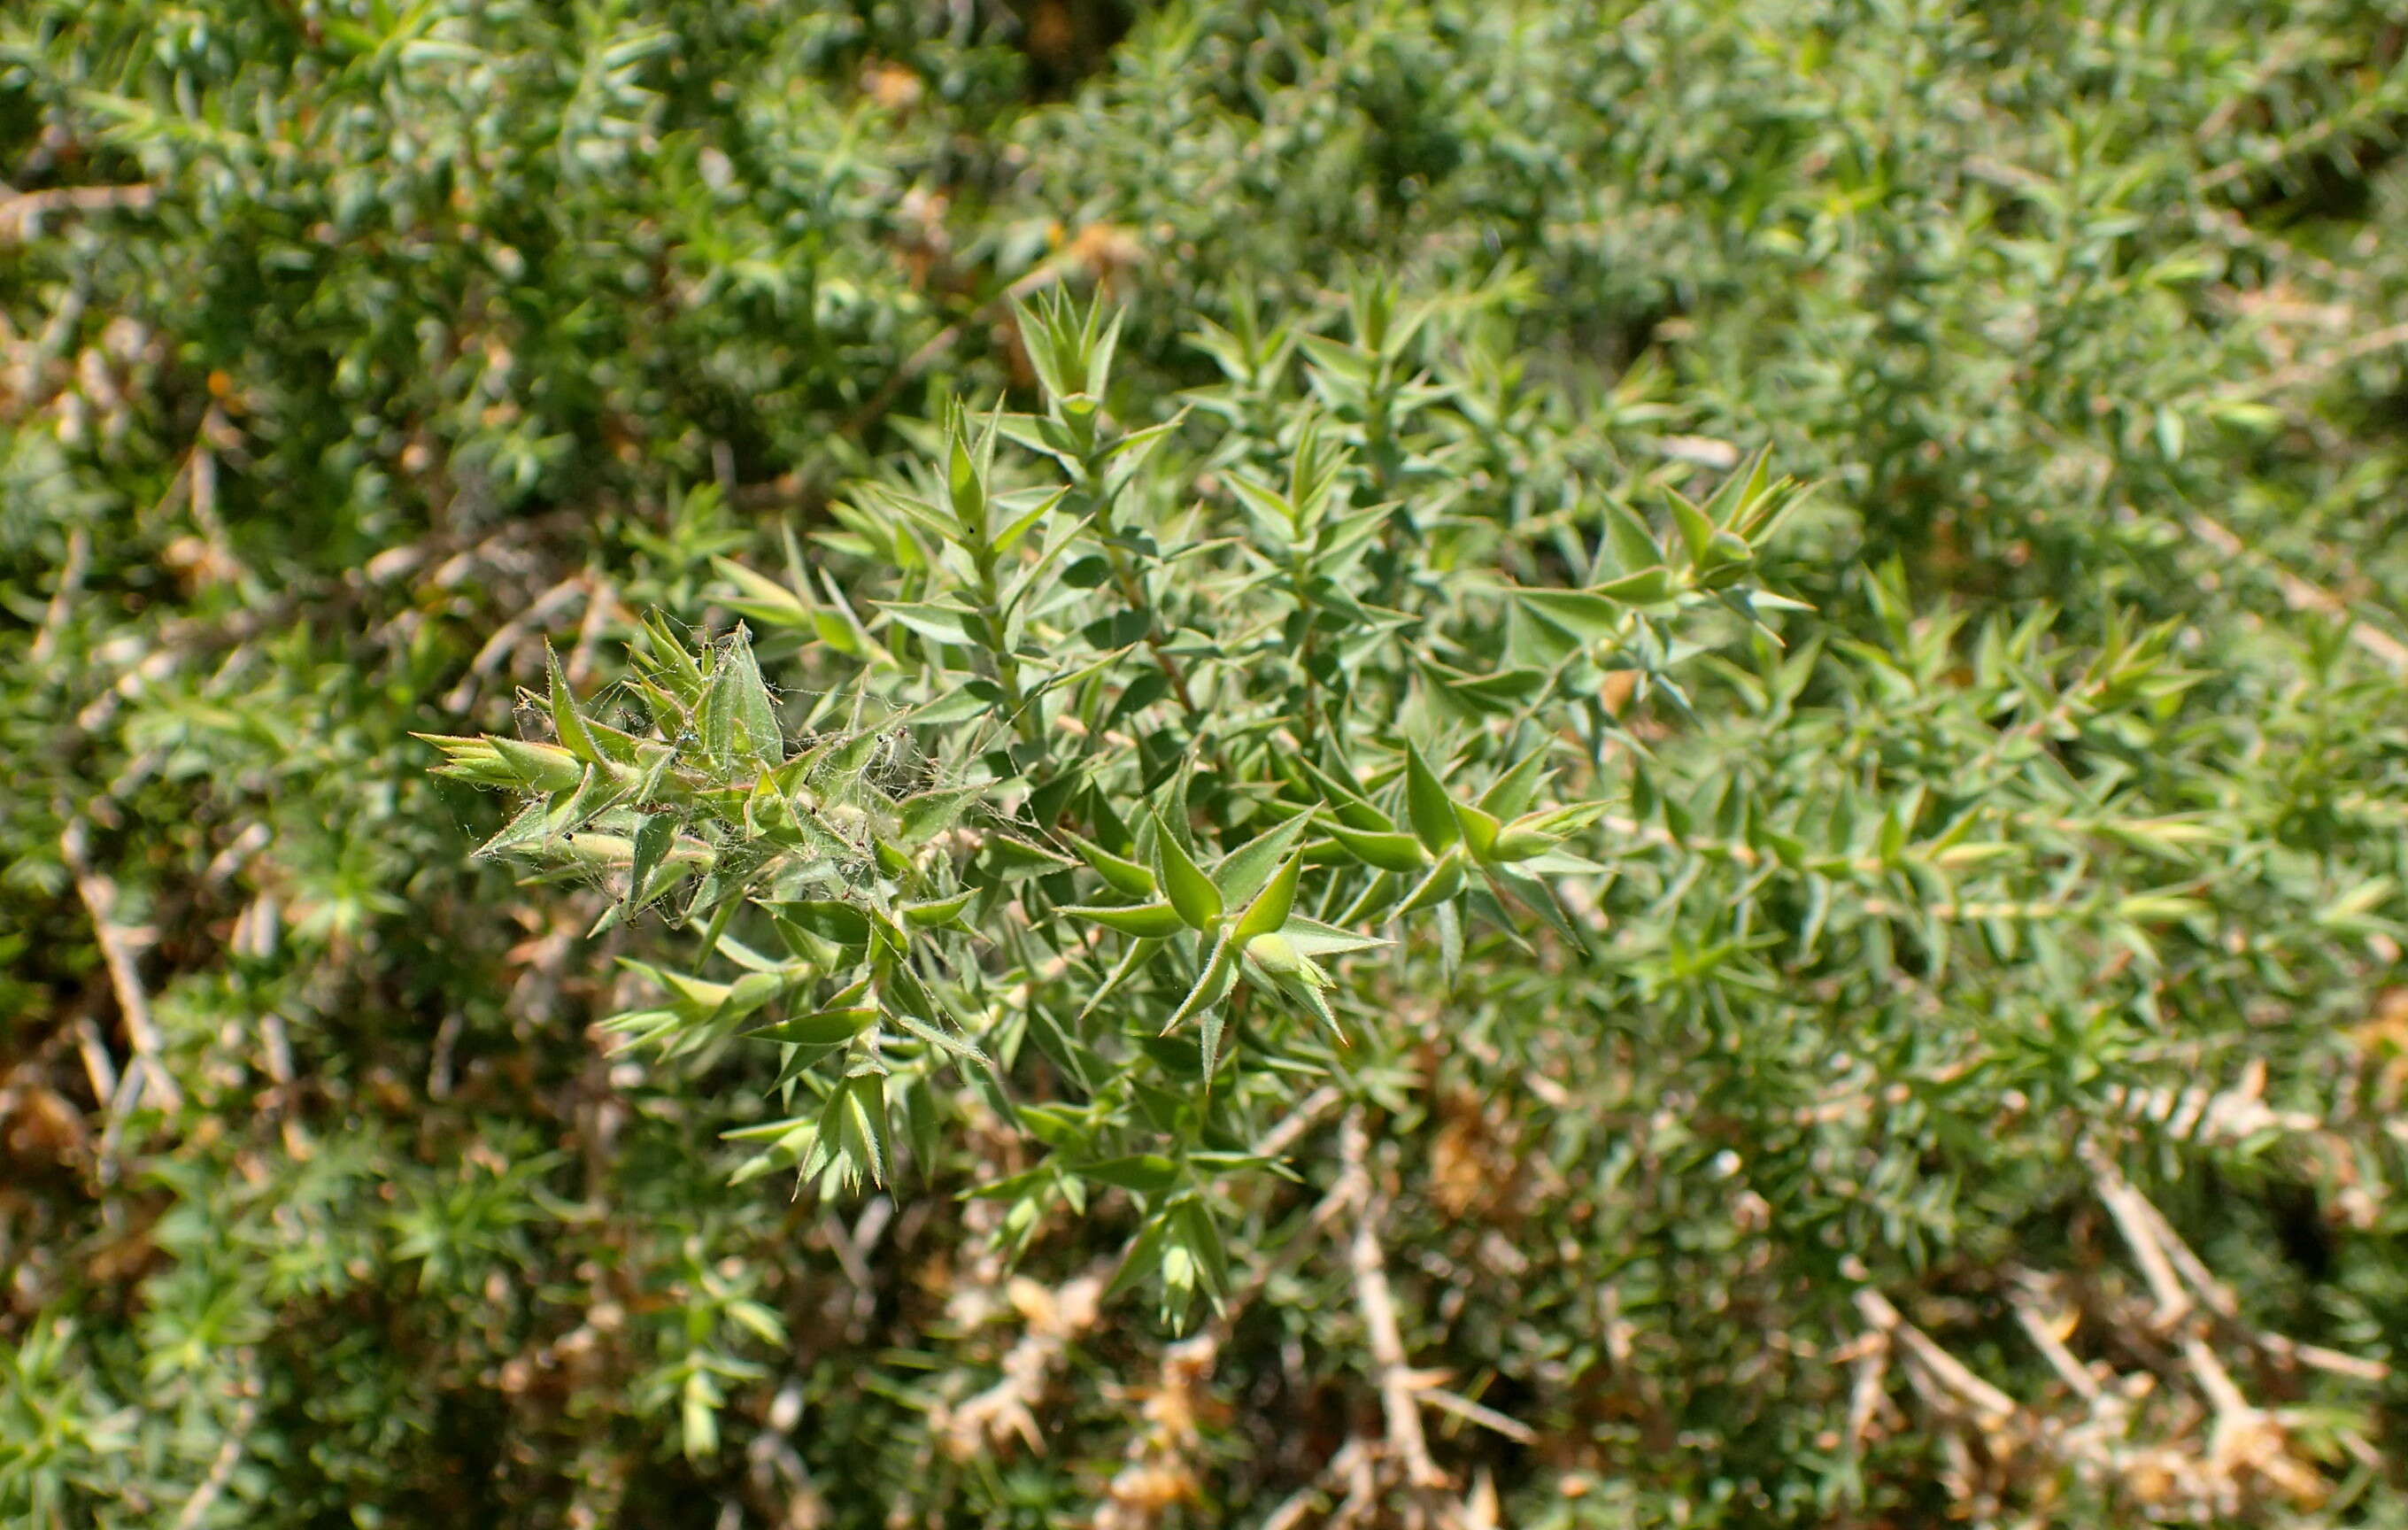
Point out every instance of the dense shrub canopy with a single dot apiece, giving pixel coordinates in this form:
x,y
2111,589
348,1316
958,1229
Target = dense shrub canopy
x,y
1403,762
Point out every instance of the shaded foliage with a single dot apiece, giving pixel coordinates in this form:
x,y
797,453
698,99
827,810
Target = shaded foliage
x,y
1349,912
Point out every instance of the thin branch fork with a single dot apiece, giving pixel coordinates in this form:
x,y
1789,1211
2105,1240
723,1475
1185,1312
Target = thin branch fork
x,y
2134,1218
149,1074
1865,1389
2182,1282
1361,1463
1351,1464
2245,1443
196,1507
1479,1413
2042,1330
1952,1381
2302,595
1401,1385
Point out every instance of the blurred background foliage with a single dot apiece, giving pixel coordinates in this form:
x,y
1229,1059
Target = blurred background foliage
x,y
348,350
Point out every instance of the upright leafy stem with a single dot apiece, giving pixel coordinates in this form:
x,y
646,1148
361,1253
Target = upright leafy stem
x,y
1048,649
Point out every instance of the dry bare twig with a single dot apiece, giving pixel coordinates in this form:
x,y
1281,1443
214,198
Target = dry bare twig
x,y
1401,1385
117,952
196,1507
21,212
2302,595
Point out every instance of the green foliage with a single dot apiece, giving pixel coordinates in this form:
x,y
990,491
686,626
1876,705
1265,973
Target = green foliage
x,y
1136,752
1082,661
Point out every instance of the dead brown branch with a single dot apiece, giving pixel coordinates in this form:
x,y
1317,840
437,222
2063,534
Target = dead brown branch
x,y
1007,1409
117,944
21,213
196,1507
2302,595
1401,1385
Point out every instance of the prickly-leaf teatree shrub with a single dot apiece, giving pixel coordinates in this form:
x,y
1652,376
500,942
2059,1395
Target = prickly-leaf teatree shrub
x,y
1287,892
1116,814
